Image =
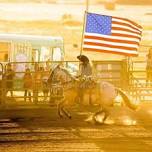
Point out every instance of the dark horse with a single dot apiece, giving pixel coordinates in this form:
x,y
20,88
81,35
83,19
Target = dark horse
x,y
101,93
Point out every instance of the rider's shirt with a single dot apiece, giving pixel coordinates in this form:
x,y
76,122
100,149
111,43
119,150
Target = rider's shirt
x,y
85,69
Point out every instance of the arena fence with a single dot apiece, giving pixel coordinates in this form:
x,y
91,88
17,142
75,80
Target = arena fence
x,y
38,92
140,84
115,72
34,89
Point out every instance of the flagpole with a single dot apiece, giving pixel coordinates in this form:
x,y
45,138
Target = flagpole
x,y
87,5
128,70
84,23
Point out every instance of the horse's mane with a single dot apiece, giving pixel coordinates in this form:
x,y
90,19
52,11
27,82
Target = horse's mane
x,y
64,70
68,73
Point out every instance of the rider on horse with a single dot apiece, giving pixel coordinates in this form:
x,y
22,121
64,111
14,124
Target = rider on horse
x,y
85,75
85,67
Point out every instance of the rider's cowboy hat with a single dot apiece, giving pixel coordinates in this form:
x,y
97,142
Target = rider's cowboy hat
x,y
83,58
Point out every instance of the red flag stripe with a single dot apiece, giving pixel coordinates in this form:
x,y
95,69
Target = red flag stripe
x,y
112,43
122,21
126,35
124,29
110,46
110,39
107,48
127,25
128,21
110,51
114,37
125,32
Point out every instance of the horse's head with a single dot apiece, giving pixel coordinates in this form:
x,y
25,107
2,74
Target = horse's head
x,y
60,74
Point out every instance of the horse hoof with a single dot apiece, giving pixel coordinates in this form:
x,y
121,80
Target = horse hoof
x,y
99,118
70,117
61,116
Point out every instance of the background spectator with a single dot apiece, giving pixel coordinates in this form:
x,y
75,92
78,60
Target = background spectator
x,y
8,77
27,84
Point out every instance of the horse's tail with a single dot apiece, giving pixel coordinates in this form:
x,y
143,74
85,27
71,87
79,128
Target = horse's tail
x,y
126,99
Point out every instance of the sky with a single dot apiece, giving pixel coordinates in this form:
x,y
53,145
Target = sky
x,y
48,19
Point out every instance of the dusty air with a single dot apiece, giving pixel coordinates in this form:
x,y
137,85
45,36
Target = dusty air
x,y
75,75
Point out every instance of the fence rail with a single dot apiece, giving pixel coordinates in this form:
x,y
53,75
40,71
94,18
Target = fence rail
x,y
134,81
35,89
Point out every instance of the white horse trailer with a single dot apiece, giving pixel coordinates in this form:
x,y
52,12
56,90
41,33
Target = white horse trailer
x,y
30,48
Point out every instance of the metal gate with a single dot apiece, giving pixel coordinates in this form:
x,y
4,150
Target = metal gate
x,y
40,72
115,72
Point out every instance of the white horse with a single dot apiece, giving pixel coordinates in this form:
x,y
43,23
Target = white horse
x,y
101,93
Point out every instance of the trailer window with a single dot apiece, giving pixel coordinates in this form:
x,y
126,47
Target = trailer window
x,y
57,54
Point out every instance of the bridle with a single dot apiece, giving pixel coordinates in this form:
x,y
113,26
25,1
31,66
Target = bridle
x,y
53,75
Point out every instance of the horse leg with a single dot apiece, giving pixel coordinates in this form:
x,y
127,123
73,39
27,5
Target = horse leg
x,y
59,108
80,96
62,110
95,115
90,98
66,112
106,114
101,111
77,100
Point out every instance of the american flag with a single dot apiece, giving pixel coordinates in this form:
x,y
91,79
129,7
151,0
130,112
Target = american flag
x,y
111,35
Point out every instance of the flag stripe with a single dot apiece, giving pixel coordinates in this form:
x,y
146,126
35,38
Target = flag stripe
x,y
110,46
108,49
124,32
111,35
112,43
124,22
126,36
128,21
125,28
111,51
126,25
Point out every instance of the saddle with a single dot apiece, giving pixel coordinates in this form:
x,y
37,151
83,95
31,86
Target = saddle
x,y
87,83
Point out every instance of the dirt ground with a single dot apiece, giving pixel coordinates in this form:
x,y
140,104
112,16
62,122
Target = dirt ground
x,y
39,129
